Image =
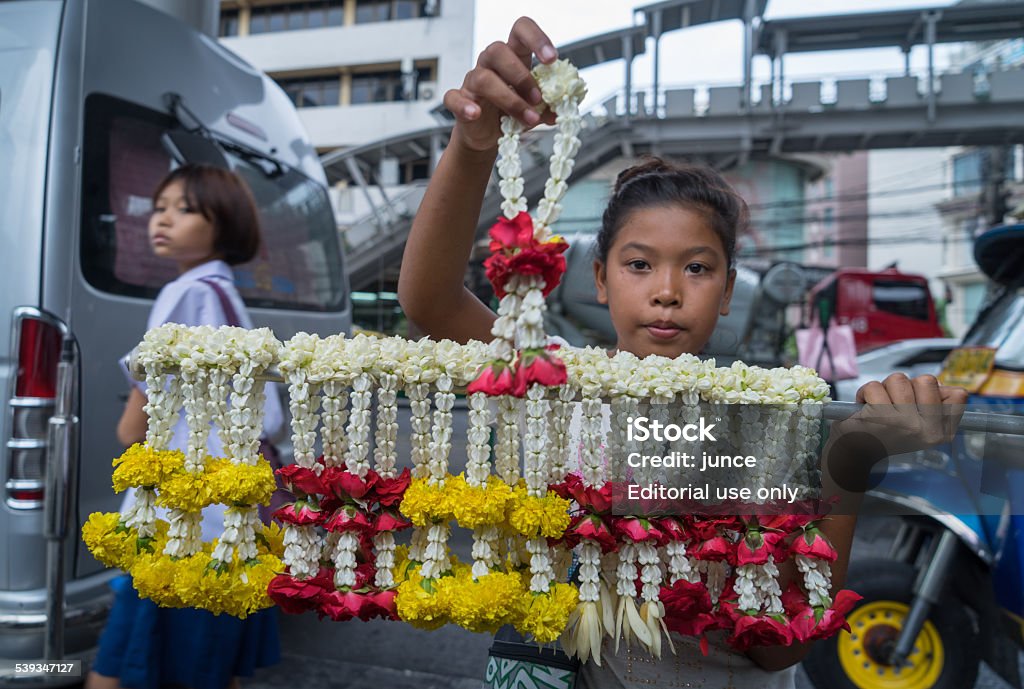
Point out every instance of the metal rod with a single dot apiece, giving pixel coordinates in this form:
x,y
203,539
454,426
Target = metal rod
x,y
61,456
984,422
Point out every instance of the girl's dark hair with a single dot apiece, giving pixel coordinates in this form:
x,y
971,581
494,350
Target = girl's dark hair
x,y
224,199
655,182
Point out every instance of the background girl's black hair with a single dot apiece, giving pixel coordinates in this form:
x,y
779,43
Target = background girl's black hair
x,y
655,182
225,200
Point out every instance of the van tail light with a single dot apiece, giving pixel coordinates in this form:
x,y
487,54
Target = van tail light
x,y
38,354
37,346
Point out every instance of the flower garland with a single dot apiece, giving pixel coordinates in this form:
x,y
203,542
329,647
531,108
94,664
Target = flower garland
x,y
640,576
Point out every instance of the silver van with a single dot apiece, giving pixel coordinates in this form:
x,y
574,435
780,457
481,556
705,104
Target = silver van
x,y
98,99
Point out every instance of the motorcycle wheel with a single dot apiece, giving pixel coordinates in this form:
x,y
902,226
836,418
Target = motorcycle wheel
x,y
945,655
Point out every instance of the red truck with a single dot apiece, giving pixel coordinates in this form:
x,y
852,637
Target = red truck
x,y
881,307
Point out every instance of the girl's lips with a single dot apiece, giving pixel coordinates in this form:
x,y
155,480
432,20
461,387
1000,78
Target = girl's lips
x,y
663,332
159,240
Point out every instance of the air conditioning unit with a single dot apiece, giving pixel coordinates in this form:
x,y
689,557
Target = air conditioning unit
x,y
428,90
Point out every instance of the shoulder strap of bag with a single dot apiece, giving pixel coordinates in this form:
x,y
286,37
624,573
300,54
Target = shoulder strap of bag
x,y
225,302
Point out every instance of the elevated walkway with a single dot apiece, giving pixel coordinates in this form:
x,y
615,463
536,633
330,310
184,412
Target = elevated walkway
x,y
726,124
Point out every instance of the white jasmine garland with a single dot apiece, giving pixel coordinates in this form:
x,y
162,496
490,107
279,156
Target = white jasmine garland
x,y
302,546
141,516
485,550
534,456
435,555
344,557
356,461
592,465
193,387
384,546
184,534
441,439
333,417
540,565
478,437
419,404
558,433
385,441
817,580
506,450
679,565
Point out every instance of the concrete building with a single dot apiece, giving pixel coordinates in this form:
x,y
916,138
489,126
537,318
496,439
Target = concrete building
x,y
836,213
358,70
904,224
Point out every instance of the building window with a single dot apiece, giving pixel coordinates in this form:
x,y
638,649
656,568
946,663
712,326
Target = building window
x,y
384,87
311,14
388,10
313,92
229,23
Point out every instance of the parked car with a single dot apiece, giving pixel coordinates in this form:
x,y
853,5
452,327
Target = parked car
x,y
100,100
914,357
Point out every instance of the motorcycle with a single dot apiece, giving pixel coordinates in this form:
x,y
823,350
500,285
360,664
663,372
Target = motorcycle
x,y
950,591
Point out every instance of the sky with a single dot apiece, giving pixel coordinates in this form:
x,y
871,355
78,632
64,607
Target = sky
x,y
701,56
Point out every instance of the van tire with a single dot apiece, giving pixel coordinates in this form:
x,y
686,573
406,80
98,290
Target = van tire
x,y
845,660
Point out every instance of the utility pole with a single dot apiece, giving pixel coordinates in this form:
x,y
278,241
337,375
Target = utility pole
x,y
994,195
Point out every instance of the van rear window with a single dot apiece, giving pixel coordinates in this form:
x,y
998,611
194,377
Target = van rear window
x,y
299,266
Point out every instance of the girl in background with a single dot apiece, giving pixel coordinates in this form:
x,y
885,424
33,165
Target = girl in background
x,y
665,267
204,220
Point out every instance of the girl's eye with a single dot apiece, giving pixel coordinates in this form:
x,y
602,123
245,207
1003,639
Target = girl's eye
x,y
638,264
186,209
697,268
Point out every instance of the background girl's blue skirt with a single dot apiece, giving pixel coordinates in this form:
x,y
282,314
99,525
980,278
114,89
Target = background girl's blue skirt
x,y
147,646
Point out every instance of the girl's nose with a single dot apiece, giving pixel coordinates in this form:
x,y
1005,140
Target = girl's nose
x,y
667,293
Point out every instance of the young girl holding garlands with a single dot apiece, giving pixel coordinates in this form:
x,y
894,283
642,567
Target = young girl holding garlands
x,y
204,220
665,268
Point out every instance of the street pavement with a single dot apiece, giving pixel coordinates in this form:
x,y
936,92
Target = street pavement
x,y
392,655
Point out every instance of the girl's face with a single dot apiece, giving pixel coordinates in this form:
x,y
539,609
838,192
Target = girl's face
x,y
666,282
179,232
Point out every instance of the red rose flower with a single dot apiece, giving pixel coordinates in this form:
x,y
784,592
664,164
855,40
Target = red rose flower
x,y
389,491
544,260
299,479
684,601
341,606
716,548
596,500
300,513
692,626
389,520
591,528
673,529
349,518
812,543
760,630
296,596
834,618
385,603
344,484
507,235
537,366
756,547
497,378
637,529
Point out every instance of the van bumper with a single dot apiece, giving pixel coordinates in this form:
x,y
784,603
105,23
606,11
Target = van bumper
x,y
23,626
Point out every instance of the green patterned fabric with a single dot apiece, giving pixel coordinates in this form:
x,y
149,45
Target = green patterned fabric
x,y
505,673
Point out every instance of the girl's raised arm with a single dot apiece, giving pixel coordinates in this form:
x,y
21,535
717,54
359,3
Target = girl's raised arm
x,y
430,286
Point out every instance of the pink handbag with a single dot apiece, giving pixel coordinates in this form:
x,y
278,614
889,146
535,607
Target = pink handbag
x,y
833,354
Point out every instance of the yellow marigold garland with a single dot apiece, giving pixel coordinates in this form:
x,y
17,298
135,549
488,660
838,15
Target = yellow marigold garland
x,y
478,507
141,465
534,517
222,482
114,544
544,616
425,504
487,603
